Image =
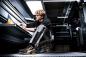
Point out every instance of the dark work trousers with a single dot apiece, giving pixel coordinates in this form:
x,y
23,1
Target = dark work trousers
x,y
38,34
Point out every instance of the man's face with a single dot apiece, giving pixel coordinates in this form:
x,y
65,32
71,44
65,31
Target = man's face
x,y
39,18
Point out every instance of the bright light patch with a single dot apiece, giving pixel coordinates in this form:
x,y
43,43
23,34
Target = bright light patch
x,y
63,17
78,0
34,5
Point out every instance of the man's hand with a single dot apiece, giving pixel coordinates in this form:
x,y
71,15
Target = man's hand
x,y
22,25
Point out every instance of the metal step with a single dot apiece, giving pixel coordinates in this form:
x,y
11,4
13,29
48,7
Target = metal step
x,y
62,36
62,32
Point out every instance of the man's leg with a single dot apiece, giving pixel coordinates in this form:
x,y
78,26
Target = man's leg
x,y
38,35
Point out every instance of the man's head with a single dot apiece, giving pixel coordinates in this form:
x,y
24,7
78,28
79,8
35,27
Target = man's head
x,y
40,14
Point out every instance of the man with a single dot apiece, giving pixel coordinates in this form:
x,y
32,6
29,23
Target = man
x,y
40,18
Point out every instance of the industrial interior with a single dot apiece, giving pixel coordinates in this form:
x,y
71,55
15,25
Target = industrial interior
x,y
67,30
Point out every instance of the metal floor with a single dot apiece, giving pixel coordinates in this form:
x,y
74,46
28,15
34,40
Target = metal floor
x,y
49,54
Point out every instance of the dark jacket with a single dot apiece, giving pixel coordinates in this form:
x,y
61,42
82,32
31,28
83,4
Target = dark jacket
x,y
46,22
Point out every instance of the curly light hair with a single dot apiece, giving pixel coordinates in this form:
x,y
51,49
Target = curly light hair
x,y
40,12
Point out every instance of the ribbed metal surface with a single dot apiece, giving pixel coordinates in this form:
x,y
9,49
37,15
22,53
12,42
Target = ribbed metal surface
x,y
70,54
59,0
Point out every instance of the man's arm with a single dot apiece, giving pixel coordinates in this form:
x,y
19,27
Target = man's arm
x,y
30,29
24,26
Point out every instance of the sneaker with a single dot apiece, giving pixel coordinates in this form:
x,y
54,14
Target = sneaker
x,y
28,50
